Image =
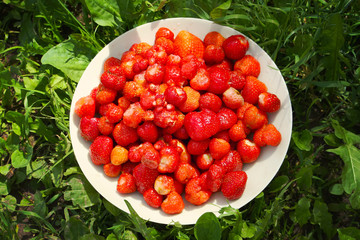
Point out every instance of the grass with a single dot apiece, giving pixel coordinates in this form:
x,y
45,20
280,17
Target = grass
x,y
316,45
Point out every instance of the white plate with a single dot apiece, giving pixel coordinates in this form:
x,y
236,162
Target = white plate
x,y
259,173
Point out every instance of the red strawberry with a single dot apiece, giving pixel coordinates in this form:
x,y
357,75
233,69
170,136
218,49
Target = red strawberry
x,y
172,75
173,60
144,177
195,192
254,118
164,32
153,198
240,112
214,38
201,80
112,170
227,118
267,135
252,89
111,80
237,80
89,128
231,162
214,177
223,135
248,66
104,126
238,131
164,184
197,147
201,125
268,102
165,118
85,106
233,185
134,115
126,183
210,101
167,44
155,73
114,114
140,48
189,66
232,98
175,95
128,167
105,95
140,64
218,148
185,43
173,204
150,157
103,108
133,90
219,80
235,47
148,132
248,150
185,172
156,55
213,54
100,150
192,100
110,62
124,135
169,160
204,161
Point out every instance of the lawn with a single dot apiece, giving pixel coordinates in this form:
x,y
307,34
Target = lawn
x,y
46,45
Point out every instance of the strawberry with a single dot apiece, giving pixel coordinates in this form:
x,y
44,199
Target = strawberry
x,y
114,114
172,75
267,135
185,172
175,95
156,55
189,66
104,108
119,155
231,162
201,80
128,167
164,32
235,47
126,183
164,184
89,128
238,131
252,89
173,204
248,150
140,65
153,198
100,150
148,132
173,60
136,152
124,135
181,133
112,170
232,98
237,80
165,118
133,90
210,101
218,148
111,62
105,95
185,43
192,100
183,154
233,185
179,123
213,38
104,126
167,44
240,112
227,118
204,161
248,66
144,177
178,187
127,68
150,157
85,106
197,147
214,177
169,160
155,73
268,102
254,118
213,54
134,115
195,192
201,125
140,48
219,80
224,134
111,80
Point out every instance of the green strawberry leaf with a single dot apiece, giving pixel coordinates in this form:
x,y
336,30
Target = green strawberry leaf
x,y
207,227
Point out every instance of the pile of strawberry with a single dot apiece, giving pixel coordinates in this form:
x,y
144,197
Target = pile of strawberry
x,y
180,116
